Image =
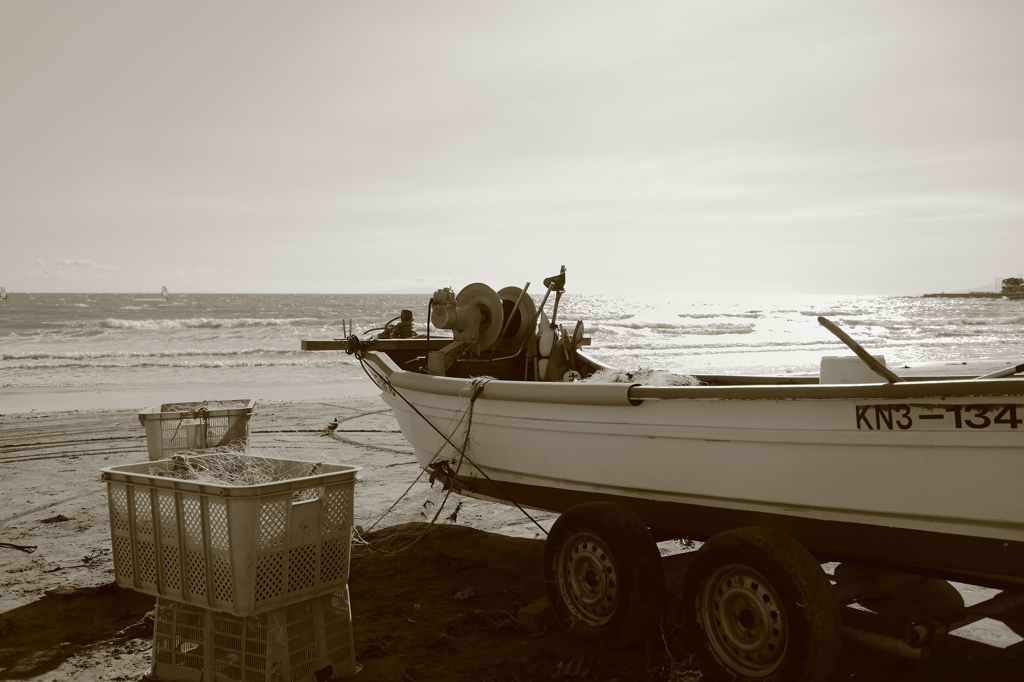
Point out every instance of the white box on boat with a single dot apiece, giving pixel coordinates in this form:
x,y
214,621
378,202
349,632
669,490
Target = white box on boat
x,y
848,369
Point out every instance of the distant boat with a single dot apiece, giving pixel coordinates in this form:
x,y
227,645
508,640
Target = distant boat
x,y
3,294
163,292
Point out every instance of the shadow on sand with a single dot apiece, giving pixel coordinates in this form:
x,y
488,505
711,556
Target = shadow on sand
x,y
411,623
38,637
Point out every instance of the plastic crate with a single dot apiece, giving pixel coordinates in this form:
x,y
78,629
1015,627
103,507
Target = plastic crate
x,y
306,642
238,549
195,426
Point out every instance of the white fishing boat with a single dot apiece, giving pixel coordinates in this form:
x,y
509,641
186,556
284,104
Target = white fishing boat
x,y
777,474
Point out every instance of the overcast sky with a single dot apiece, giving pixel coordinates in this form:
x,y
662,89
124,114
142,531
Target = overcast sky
x,y
651,147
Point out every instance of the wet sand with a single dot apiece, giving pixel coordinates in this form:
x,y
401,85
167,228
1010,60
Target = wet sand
x,y
16,399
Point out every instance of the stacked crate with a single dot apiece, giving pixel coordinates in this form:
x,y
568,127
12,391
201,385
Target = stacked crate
x,y
179,427
251,581
311,640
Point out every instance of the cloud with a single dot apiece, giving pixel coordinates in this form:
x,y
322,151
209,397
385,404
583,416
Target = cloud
x,y
73,269
391,285
77,263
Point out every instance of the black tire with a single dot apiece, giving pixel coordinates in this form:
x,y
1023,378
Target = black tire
x,y
758,607
603,574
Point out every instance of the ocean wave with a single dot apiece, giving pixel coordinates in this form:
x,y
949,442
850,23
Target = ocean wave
x,y
318,360
989,321
206,323
829,313
645,345
189,352
885,324
679,328
916,322
957,333
892,347
752,314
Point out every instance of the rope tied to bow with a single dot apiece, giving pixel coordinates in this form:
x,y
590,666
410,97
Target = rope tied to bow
x,y
476,386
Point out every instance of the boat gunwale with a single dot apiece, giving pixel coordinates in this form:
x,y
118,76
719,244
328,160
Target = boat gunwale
x,y
634,394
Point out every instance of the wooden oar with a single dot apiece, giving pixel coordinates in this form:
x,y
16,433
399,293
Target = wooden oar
x,y
1008,372
875,365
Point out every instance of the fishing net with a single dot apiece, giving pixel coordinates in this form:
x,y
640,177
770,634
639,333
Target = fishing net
x,y
205,406
231,466
646,377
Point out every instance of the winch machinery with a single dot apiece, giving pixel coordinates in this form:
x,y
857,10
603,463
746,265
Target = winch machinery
x,y
491,325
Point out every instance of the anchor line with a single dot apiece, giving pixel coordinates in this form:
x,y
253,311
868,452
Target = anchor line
x,y
478,387
444,500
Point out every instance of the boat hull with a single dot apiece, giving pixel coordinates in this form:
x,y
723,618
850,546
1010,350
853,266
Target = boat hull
x,y
924,476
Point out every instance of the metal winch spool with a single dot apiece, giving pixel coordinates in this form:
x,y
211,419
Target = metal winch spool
x,y
475,317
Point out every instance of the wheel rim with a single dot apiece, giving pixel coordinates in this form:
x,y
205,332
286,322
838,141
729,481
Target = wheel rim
x,y
744,621
587,578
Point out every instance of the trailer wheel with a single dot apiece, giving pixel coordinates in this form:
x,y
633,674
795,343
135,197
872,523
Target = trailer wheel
x,y
757,606
603,574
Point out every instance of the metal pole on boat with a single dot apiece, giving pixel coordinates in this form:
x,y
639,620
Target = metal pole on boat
x,y
1008,372
504,327
875,365
543,302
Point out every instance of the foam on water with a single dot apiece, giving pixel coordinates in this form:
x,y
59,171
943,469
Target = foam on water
x,y
202,322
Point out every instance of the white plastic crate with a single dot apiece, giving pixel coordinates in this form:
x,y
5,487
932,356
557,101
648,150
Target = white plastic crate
x,y
306,642
238,549
177,427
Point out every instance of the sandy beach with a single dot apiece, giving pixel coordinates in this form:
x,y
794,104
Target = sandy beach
x,y
15,399
444,609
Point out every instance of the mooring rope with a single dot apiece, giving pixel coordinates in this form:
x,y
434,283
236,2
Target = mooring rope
x,y
477,385
448,490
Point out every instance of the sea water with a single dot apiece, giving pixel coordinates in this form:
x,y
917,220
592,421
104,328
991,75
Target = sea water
x,y
136,339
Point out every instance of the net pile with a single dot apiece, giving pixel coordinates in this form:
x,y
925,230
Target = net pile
x,y
230,465
646,377
206,405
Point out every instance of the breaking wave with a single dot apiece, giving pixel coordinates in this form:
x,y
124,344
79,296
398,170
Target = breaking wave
x,y
714,329
190,352
751,314
206,323
984,321
139,363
